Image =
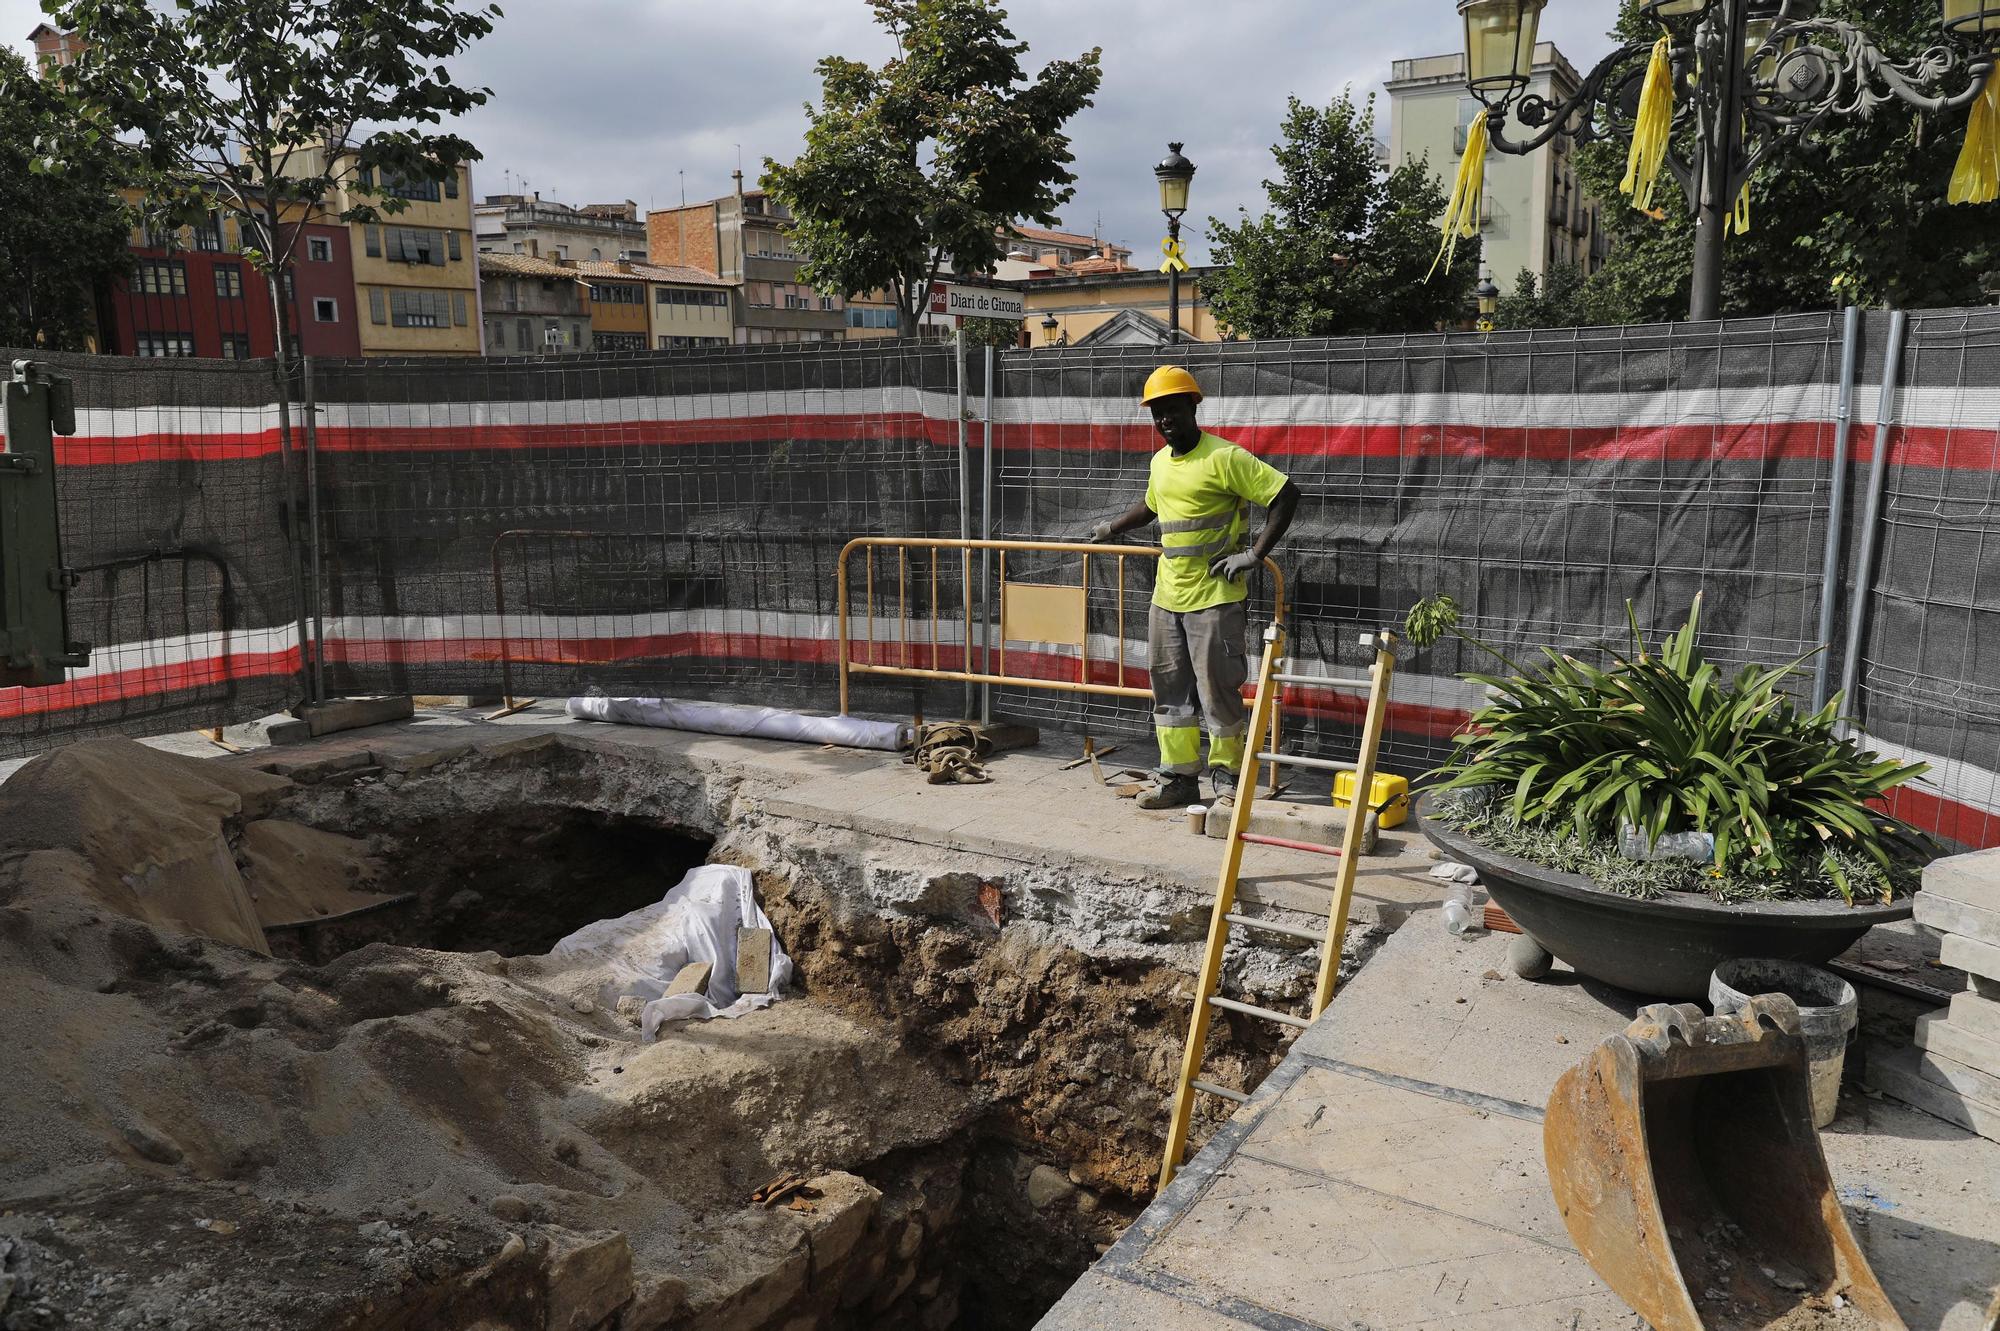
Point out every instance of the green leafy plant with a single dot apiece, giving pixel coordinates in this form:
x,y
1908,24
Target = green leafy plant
x,y
1661,741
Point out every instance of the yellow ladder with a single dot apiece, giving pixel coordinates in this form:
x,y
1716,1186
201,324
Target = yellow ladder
x,y
1271,678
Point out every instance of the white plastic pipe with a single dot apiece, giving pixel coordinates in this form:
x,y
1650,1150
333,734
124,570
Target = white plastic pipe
x,y
721,718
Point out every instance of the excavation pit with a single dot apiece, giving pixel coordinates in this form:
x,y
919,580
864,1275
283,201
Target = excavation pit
x,y
405,1116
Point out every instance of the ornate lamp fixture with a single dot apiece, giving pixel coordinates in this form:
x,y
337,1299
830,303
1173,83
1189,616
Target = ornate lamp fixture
x,y
1750,78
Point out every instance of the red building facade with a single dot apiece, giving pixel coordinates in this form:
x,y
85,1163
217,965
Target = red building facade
x,y
201,297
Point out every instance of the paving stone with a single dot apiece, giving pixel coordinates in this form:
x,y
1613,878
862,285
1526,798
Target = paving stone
x,y
1981,960
1972,879
1899,1073
1968,1082
1976,1015
691,979
1938,1035
753,961
337,714
1954,917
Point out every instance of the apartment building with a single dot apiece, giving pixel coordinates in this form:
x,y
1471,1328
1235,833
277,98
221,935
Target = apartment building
x,y
1534,213
416,271
642,306
538,227
744,238
532,306
192,293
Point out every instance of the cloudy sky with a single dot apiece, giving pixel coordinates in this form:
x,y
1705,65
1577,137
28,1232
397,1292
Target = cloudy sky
x,y
599,100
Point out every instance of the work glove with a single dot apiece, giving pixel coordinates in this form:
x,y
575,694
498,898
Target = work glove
x,y
1234,567
1100,533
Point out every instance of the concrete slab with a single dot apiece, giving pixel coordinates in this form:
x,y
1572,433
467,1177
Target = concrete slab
x,y
1976,1014
1389,1174
1955,918
1901,1074
1972,879
1980,960
1937,1034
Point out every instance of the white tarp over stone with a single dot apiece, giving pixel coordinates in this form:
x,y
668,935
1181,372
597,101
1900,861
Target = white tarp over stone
x,y
641,952
721,718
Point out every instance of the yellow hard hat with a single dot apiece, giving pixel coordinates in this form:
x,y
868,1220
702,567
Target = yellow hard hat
x,y
1167,381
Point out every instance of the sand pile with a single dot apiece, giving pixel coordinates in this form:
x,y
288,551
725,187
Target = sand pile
x,y
195,1134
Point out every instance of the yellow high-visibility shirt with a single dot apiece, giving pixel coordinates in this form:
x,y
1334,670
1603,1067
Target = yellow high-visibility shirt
x,y
1199,498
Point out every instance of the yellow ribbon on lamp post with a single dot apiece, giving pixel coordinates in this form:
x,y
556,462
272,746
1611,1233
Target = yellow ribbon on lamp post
x,y
1175,261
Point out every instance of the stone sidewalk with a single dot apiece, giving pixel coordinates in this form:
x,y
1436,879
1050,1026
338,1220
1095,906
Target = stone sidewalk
x,y
1389,1174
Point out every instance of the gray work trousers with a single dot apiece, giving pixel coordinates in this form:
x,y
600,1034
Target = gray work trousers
x,y
1197,658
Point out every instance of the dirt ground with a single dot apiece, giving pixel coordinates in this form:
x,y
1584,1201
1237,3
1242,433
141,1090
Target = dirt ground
x,y
198,1134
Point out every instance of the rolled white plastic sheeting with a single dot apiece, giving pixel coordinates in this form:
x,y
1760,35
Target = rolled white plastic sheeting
x,y
721,718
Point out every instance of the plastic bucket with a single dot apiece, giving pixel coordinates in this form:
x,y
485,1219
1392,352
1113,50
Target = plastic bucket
x,y
1828,1013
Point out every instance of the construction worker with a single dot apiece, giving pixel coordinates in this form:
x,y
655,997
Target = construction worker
x,y
1197,491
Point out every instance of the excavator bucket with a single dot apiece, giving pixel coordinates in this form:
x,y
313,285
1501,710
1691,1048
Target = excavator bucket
x,y
1683,1156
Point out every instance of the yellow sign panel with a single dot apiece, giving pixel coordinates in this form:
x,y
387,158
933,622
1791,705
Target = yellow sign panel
x,y
1030,613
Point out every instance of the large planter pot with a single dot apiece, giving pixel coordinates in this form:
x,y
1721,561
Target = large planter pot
x,y
1664,947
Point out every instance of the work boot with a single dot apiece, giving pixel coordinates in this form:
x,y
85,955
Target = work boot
x,y
1223,781
1176,792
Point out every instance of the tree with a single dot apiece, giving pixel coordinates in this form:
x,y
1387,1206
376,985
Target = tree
x,y
923,160
1346,247
1862,206
1565,300
62,232
253,107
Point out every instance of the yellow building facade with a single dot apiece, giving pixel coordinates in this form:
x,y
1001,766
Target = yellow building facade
x,y
658,307
416,272
1112,308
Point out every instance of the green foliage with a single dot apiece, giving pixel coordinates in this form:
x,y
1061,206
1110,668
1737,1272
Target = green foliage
x,y
62,226
227,103
1859,216
1346,246
1566,300
1660,741
925,158
1430,619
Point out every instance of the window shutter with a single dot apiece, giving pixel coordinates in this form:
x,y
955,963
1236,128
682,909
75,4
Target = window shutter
x,y
456,253
377,311
458,308
371,238
435,241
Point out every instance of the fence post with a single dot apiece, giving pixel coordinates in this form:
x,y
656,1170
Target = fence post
x,y
1836,505
316,578
964,497
1878,473
281,368
986,556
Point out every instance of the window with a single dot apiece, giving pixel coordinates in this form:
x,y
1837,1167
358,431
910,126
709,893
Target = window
x,y
496,336
522,332
562,251
826,302
417,191
576,335
451,237
371,241
326,310
229,281
1469,110
617,293
236,346
163,344
618,341
319,249
596,254
378,309
413,245
519,247
458,309
208,234
418,309
793,302
451,184
862,316
163,277
291,292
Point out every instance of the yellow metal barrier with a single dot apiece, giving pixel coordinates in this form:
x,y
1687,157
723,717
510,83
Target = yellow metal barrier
x,y
1029,612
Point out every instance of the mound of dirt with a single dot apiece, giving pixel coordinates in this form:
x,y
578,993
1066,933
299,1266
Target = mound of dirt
x,y
196,1134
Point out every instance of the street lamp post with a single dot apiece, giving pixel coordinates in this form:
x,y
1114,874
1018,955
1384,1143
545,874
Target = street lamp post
x,y
1750,78
1488,297
1049,327
1174,173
